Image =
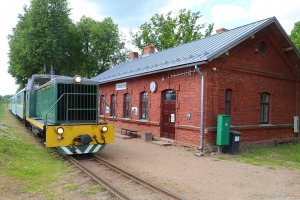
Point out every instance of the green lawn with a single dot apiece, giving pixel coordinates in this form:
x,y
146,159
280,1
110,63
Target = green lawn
x,y
21,159
286,155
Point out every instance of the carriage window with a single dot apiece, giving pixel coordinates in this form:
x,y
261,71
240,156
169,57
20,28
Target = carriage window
x,y
264,108
113,105
127,105
144,105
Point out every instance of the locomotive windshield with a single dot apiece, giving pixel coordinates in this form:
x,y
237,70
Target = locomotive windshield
x,y
36,81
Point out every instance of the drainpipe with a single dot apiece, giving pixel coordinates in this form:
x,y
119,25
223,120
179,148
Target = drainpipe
x,y
201,107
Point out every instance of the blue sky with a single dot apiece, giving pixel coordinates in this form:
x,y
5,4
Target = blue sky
x,y
131,14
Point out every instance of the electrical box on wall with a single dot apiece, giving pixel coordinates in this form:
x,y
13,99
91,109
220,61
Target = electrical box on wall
x,y
223,130
296,124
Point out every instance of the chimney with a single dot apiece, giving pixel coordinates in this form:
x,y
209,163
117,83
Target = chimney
x,y
221,30
133,55
148,49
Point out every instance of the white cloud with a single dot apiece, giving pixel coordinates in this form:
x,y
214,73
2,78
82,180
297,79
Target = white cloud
x,y
287,11
224,14
176,5
81,8
9,18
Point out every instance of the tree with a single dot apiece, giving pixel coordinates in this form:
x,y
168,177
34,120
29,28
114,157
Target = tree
x,y
101,44
295,35
167,31
44,37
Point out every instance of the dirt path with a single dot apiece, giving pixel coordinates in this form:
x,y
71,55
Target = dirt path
x,y
180,171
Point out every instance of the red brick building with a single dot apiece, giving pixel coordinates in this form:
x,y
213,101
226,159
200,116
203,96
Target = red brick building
x,y
250,73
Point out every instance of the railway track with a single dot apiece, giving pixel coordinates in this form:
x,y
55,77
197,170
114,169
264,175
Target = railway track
x,y
122,184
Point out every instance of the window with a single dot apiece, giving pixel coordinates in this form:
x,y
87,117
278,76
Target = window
x,y
263,47
170,95
264,108
113,105
228,101
144,105
102,105
127,105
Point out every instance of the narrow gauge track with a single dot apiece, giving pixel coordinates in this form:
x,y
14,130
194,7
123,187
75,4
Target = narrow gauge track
x,y
121,183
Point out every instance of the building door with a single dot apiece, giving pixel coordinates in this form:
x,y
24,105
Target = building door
x,y
168,114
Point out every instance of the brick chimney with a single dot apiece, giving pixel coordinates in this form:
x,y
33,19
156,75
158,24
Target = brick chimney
x,y
221,30
133,55
148,49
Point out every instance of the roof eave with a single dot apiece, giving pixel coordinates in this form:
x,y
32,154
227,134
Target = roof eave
x,y
154,72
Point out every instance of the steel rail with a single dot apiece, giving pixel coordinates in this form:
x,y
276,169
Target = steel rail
x,y
99,180
143,182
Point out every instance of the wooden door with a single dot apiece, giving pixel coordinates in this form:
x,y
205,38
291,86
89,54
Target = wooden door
x,y
168,114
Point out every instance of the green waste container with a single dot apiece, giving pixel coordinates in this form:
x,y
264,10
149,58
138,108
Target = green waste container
x,y
223,129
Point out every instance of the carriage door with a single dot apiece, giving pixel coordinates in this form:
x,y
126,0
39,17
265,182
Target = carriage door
x,y
168,114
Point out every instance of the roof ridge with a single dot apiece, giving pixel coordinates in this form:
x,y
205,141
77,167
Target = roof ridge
x,y
197,51
266,19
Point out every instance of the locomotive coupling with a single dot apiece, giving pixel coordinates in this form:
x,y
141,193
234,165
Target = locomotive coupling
x,y
84,139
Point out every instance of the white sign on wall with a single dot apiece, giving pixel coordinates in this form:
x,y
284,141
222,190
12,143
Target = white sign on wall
x,y
134,110
121,86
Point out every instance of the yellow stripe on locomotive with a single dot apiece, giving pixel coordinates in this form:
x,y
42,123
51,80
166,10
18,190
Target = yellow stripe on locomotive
x,y
76,135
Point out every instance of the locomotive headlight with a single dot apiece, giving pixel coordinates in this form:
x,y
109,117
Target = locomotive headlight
x,y
77,79
104,129
60,130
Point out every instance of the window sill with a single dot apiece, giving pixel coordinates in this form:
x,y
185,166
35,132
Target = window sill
x,y
265,125
142,120
126,119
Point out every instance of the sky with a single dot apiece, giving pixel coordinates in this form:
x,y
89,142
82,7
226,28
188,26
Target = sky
x,y
130,14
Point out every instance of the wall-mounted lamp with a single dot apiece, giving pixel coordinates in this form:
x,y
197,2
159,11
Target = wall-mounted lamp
x,y
162,78
213,69
255,50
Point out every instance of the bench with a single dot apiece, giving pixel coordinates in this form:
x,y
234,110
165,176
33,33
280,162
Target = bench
x,y
126,131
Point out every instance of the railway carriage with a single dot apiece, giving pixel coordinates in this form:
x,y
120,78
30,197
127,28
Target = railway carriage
x,y
63,111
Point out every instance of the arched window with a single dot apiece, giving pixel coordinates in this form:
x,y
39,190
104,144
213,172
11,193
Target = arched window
x,y
113,105
126,105
144,105
264,108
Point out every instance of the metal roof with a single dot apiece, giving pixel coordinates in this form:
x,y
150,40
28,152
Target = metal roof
x,y
196,52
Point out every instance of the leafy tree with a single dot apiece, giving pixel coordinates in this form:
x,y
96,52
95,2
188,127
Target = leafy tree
x,y
101,45
295,35
45,40
167,31
44,36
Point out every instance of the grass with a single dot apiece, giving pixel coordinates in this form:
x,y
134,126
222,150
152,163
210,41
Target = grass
x,y
23,160
286,155
93,189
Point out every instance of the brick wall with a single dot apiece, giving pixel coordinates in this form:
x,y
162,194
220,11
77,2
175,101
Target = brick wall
x,y
245,69
248,73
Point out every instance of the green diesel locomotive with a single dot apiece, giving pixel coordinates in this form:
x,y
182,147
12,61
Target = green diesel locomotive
x,y
63,111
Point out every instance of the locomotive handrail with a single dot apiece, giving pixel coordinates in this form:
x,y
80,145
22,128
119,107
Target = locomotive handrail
x,y
67,106
108,106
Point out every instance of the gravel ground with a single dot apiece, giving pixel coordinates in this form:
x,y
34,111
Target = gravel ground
x,y
180,171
